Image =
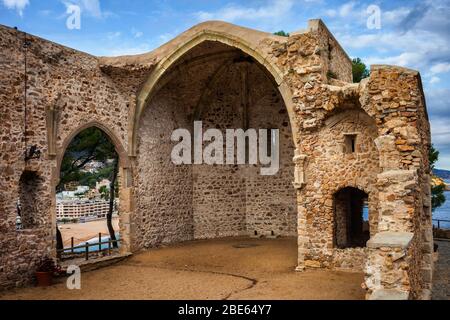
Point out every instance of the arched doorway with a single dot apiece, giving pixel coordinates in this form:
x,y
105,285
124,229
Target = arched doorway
x,y
351,220
92,175
225,88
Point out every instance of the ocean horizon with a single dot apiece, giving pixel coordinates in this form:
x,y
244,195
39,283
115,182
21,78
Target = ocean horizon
x,y
443,212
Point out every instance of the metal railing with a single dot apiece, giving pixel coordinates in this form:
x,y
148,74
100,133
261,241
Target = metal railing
x,y
440,222
86,246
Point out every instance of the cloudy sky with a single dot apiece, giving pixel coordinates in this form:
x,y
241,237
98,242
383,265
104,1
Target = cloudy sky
x,y
414,34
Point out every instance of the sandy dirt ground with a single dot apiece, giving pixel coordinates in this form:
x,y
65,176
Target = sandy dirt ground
x,y
85,231
231,268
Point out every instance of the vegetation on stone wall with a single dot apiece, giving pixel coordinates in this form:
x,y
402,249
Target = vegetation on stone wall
x,y
281,33
89,145
359,70
437,189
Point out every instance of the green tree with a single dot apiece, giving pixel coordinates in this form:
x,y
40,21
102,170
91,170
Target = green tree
x,y
104,192
359,70
91,144
437,191
281,33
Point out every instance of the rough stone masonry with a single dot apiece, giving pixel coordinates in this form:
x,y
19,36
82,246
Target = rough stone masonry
x,y
343,146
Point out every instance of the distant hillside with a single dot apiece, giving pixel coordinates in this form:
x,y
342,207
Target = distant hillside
x,y
443,174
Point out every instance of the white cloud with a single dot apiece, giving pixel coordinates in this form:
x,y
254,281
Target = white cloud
x,y
439,112
231,13
395,16
440,68
440,133
405,59
346,9
129,50
434,80
165,37
136,33
91,7
416,49
18,5
331,13
113,35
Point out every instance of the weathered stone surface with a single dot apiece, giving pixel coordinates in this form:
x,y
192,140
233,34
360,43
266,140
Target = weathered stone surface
x,y
389,294
373,136
391,240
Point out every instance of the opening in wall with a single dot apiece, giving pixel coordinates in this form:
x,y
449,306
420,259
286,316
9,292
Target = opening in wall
x,y
28,202
351,216
88,195
350,143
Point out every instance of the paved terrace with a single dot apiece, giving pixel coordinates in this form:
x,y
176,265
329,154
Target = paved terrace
x,y
441,281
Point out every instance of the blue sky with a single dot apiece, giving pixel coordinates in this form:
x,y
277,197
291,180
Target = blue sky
x,y
414,34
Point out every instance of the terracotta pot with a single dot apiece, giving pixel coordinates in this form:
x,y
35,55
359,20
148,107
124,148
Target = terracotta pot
x,y
44,279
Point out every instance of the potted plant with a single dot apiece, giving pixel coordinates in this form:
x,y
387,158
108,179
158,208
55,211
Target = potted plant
x,y
46,269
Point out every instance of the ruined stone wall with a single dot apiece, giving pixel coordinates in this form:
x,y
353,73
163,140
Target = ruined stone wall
x,y
336,64
271,206
85,94
331,169
403,145
69,90
394,100
243,201
163,190
225,200
219,198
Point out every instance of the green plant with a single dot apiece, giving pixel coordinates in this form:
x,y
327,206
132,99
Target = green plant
x,y
359,70
437,190
281,33
46,264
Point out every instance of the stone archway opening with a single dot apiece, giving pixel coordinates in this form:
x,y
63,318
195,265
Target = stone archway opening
x,y
351,218
89,194
223,88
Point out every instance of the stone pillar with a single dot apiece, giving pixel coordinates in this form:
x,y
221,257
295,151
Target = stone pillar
x,y
388,266
299,182
302,234
299,173
126,209
393,268
397,205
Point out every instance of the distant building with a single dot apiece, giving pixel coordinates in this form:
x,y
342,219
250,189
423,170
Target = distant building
x,y
93,166
104,183
77,209
72,194
71,186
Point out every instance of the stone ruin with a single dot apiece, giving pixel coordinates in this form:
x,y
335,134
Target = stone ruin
x,y
343,146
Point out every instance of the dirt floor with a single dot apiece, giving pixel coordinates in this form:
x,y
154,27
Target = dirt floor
x,y
232,268
82,232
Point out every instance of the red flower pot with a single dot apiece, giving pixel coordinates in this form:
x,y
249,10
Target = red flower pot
x,y
44,279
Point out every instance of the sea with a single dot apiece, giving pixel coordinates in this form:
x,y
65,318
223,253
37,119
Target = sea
x,y
443,212
94,245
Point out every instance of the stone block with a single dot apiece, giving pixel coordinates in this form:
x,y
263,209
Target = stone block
x,y
312,264
389,294
391,239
